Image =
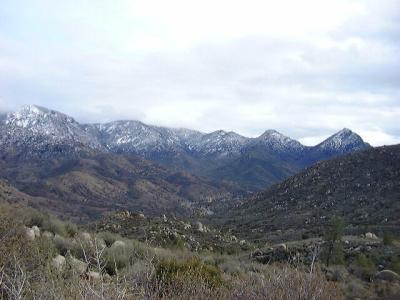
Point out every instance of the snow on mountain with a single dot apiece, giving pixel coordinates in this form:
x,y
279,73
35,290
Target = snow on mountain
x,y
277,142
220,142
40,129
137,137
342,142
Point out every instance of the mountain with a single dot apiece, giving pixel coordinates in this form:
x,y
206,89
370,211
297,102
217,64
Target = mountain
x,y
362,187
277,143
250,163
340,143
36,130
87,187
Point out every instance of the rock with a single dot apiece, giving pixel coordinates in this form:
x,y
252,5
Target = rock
x,y
48,234
77,265
164,217
199,227
141,216
187,226
387,275
242,242
281,247
36,230
118,244
86,236
256,253
91,275
29,234
58,262
370,235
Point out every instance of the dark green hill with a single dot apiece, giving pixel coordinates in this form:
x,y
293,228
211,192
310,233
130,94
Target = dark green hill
x,y
363,188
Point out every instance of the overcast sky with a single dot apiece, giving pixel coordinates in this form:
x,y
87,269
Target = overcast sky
x,y
305,68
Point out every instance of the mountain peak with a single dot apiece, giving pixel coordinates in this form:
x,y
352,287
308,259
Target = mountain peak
x,y
343,141
31,115
271,133
39,130
32,108
345,130
276,141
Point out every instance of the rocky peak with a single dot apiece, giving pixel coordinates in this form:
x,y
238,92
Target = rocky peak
x,y
343,141
276,141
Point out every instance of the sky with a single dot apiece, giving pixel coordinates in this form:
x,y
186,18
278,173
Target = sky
x,y
305,68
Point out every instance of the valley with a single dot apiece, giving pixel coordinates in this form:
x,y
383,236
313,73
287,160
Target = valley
x,y
154,212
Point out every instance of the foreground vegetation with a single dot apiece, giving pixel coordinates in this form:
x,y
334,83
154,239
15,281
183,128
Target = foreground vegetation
x,y
44,258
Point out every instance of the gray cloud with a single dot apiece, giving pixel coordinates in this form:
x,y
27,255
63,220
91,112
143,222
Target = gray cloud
x,y
305,86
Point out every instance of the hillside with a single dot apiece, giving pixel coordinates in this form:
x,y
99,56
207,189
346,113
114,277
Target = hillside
x,y
363,188
85,188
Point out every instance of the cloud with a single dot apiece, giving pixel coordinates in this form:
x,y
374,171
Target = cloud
x,y
247,66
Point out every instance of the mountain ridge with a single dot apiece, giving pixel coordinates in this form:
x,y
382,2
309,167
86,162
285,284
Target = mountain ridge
x,y
361,187
34,131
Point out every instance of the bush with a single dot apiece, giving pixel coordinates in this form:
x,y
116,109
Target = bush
x,y
34,218
395,264
333,249
71,229
118,257
55,226
109,237
387,239
62,244
173,273
364,267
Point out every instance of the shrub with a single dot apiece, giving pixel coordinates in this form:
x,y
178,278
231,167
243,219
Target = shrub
x,y
395,264
387,239
109,237
118,257
333,249
62,244
71,229
174,273
55,226
364,267
34,218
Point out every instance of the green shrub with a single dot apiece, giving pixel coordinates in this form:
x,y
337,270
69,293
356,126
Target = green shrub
x,y
109,237
62,244
71,229
333,249
395,264
387,239
173,272
34,218
117,258
364,267
55,226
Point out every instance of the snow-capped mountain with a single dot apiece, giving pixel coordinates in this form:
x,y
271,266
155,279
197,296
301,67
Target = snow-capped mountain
x,y
342,142
34,129
220,143
277,142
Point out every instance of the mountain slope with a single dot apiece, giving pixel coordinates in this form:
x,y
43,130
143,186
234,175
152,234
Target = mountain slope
x,y
90,186
36,131
363,187
249,163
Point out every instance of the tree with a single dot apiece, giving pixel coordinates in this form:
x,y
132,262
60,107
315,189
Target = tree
x,y
333,251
